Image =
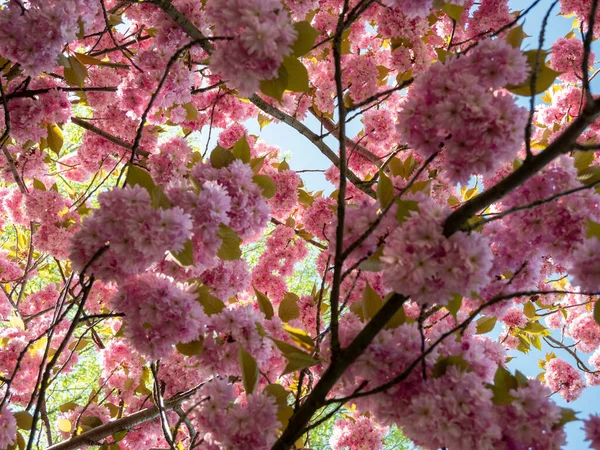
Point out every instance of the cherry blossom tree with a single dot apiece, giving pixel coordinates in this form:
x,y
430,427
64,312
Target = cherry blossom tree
x,y
151,244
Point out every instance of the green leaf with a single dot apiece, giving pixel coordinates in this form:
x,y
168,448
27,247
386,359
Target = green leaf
x,y
89,60
241,150
263,120
443,55
486,324
268,186
24,420
300,337
597,312
566,415
454,305
55,138
278,392
38,185
529,310
593,229
75,72
544,79
64,425
515,36
89,422
185,257
264,304
249,370
589,175
385,190
453,11
297,75
371,302
221,157
288,308
137,175
536,341
404,209
191,113
283,165
307,36
257,163
190,348
582,160
66,407
504,382
159,199
275,87
230,247
297,359
443,364
373,263
119,435
535,328
210,303
398,319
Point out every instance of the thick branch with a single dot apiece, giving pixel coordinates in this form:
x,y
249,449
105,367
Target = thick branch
x,y
562,144
314,138
96,435
109,137
317,397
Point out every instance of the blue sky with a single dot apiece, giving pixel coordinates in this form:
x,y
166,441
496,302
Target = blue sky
x,y
303,155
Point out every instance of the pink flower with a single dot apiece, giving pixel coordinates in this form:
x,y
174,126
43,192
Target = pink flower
x,y
158,314
563,378
8,428
592,431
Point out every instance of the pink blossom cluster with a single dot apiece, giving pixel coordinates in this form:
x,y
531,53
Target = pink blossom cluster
x,y
581,9
262,34
8,428
158,314
228,278
121,366
233,423
318,216
592,431
567,58
169,162
357,432
283,250
249,211
421,263
585,265
137,89
137,234
30,117
456,106
563,378
78,415
55,23
453,407
285,199
411,8
226,332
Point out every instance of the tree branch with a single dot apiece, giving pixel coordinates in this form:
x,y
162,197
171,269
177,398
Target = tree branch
x,y
562,144
207,46
109,137
95,435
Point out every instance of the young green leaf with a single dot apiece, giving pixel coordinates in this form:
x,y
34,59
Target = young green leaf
x,y
230,246
249,370
306,38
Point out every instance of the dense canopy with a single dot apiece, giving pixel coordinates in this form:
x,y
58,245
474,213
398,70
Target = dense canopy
x,y
170,281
